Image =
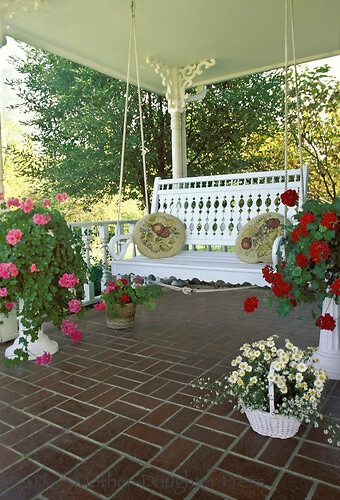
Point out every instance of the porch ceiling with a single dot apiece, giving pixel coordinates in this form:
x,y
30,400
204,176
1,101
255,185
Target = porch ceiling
x,y
244,36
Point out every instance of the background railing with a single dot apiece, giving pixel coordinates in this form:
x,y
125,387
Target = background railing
x,y
95,236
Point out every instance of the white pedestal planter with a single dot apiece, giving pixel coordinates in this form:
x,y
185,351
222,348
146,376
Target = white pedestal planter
x,y
37,348
9,327
328,352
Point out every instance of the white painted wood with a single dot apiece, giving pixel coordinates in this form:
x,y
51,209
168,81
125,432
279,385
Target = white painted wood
x,y
95,236
328,352
213,210
244,36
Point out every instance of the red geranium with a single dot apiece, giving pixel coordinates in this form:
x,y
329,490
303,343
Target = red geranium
x,y
326,322
297,232
319,250
302,260
307,217
282,289
289,197
330,220
125,298
250,304
335,287
270,275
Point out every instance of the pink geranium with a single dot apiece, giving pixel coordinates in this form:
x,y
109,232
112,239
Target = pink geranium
x,y
34,269
68,280
9,305
3,292
13,236
61,197
75,306
13,202
41,219
13,269
76,335
44,359
8,269
70,329
46,202
27,205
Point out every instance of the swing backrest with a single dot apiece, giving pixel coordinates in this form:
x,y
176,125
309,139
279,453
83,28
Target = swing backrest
x,y
214,208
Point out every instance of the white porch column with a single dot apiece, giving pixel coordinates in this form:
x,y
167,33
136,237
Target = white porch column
x,y
9,327
177,81
176,141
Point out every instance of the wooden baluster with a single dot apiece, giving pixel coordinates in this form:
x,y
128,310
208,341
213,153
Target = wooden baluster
x,y
89,286
133,246
104,240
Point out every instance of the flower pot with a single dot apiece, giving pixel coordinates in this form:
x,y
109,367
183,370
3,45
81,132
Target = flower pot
x,y
273,425
36,348
328,352
124,317
9,327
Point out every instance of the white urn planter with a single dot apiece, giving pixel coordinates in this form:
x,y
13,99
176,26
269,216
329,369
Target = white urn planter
x,y
328,351
9,327
36,348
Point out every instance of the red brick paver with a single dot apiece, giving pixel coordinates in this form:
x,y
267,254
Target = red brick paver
x,y
112,416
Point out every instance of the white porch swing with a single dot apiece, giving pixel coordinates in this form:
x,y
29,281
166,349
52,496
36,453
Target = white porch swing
x,y
215,210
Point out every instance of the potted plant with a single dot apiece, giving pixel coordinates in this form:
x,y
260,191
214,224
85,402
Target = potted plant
x,y
277,388
121,296
307,271
41,273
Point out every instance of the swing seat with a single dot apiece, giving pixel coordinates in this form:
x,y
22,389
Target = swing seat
x,y
213,210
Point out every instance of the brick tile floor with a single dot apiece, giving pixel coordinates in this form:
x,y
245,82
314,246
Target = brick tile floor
x,y
112,416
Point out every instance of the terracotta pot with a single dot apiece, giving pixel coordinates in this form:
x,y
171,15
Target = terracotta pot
x,y
124,317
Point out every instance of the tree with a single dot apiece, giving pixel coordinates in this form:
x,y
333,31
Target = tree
x,y
77,118
320,130
319,110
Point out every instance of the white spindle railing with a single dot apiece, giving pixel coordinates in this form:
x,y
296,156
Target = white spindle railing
x,y
95,236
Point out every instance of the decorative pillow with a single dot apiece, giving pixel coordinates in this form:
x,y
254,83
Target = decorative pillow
x,y
255,240
159,235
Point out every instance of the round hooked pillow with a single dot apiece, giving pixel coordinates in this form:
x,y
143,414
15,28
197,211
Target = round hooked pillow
x,y
255,240
159,235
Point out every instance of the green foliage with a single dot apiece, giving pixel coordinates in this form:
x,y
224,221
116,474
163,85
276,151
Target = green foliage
x,y
77,118
310,271
320,129
54,252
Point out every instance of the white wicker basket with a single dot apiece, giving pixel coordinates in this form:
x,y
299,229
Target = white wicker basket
x,y
269,423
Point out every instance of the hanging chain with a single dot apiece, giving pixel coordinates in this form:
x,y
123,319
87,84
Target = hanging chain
x,y
124,129
286,117
140,110
297,93
132,36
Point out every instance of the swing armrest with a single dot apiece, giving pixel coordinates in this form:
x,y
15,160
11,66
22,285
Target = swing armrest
x,y
277,245
118,245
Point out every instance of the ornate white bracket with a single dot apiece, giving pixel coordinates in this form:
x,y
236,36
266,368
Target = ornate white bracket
x,y
178,80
